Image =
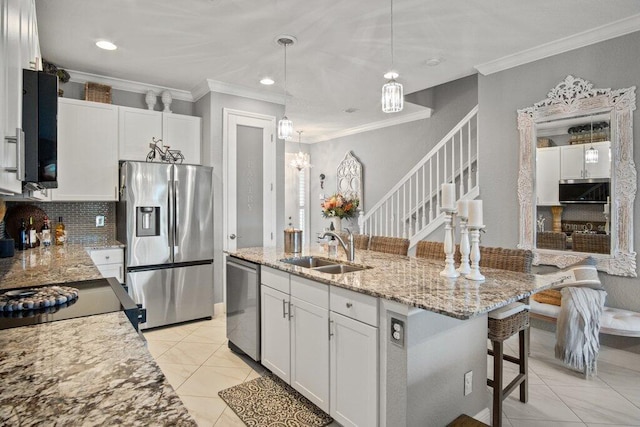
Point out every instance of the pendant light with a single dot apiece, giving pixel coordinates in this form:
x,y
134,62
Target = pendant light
x,y
591,154
285,126
301,160
392,97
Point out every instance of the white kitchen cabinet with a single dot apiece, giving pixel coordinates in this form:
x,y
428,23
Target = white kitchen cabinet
x,y
573,166
547,176
19,48
275,332
138,128
353,353
87,151
110,262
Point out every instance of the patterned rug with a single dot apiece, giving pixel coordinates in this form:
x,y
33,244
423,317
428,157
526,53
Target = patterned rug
x,y
269,401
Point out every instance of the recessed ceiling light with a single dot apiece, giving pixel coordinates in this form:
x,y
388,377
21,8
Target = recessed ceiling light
x,y
267,81
391,75
432,62
106,45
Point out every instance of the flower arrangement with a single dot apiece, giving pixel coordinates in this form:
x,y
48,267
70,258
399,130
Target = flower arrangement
x,y
339,206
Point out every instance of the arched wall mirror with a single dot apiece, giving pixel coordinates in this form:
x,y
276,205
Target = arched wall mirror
x,y
577,180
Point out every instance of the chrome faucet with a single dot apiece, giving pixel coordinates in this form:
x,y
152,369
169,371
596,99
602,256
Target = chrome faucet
x,y
349,249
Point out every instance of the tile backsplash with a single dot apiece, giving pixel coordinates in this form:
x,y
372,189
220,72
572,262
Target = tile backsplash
x,y
80,219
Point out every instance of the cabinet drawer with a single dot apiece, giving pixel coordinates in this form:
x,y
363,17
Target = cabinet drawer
x,y
312,292
354,304
275,279
107,256
112,270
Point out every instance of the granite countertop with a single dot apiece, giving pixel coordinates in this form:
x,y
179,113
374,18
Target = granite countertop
x,y
84,372
415,282
51,265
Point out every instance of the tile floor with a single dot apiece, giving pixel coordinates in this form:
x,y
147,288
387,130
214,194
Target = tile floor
x,y
197,362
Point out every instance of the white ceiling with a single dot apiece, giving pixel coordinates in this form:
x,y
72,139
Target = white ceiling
x,y
343,46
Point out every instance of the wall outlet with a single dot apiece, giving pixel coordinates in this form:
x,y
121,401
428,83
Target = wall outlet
x,y
468,383
100,221
397,332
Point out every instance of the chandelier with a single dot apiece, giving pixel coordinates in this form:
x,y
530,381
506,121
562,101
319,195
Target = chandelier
x,y
392,98
591,154
301,160
285,126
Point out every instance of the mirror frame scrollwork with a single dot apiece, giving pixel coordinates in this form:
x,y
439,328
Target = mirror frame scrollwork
x,y
349,173
570,98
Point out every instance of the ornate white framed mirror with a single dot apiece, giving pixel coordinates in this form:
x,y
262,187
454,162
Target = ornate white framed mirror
x,y
349,173
577,180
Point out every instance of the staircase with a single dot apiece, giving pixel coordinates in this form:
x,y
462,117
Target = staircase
x,y
411,208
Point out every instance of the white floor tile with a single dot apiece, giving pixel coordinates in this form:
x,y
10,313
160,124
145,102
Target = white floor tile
x,y
555,373
205,410
631,394
598,405
176,374
172,333
158,348
208,334
543,405
229,419
207,381
617,376
225,358
539,423
188,353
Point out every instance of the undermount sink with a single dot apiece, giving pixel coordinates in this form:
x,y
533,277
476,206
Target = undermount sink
x,y
323,265
310,261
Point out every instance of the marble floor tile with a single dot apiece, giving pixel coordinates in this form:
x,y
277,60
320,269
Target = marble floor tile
x,y
543,423
599,405
631,394
617,376
188,353
555,373
543,405
510,370
224,357
619,357
207,381
205,410
171,333
176,374
208,334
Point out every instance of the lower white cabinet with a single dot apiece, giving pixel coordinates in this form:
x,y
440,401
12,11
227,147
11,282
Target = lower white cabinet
x,y
323,341
110,262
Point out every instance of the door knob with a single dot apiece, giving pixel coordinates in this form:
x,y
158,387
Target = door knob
x,y
232,237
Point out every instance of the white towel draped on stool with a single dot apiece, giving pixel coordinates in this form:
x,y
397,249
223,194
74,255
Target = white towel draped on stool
x,y
577,342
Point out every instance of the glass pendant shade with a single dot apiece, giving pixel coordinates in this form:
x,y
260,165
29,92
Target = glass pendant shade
x,y
591,155
285,128
392,97
301,161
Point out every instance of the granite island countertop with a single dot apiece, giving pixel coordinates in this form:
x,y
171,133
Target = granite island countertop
x,y
413,281
84,372
51,265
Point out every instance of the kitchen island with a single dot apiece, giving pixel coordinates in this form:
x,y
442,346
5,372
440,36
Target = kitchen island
x,y
84,371
414,378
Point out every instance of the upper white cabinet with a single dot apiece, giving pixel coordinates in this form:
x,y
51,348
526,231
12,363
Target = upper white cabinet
x,y
19,48
573,165
87,151
138,128
547,176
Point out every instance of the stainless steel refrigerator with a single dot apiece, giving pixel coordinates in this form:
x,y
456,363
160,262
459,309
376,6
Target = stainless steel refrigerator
x,y
165,218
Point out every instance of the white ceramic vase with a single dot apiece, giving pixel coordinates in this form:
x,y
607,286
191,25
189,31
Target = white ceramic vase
x,y
166,101
150,99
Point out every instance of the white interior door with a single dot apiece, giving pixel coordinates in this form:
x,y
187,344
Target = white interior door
x,y
250,172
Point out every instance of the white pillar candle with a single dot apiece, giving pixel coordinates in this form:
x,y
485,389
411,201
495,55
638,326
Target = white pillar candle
x,y
448,200
475,213
463,208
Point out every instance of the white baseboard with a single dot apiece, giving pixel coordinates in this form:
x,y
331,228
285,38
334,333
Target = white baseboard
x,y
218,309
484,416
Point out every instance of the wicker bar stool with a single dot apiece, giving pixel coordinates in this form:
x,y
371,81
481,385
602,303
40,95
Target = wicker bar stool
x,y
435,251
504,323
592,243
361,241
389,245
551,240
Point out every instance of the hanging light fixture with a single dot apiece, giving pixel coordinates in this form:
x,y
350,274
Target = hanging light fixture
x,y
392,98
285,126
301,160
591,154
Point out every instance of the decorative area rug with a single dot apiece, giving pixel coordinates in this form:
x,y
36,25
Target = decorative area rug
x,y
269,401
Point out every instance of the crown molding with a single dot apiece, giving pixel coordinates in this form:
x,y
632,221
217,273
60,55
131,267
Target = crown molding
x,y
210,85
585,38
128,85
411,117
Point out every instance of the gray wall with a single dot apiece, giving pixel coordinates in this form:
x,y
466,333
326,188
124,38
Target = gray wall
x,y
388,154
210,108
610,64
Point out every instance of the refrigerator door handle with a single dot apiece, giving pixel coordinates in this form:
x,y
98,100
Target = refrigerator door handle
x,y
170,222
176,213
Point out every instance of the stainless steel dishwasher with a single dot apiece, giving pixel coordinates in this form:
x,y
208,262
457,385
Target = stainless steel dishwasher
x,y
243,307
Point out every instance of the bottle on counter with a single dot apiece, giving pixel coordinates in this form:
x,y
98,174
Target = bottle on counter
x,y
61,234
31,231
23,237
46,232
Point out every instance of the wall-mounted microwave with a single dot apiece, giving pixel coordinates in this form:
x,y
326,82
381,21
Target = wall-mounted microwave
x,y
588,191
40,126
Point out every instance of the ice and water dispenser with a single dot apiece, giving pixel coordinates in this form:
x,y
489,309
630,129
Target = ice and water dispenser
x,y
147,221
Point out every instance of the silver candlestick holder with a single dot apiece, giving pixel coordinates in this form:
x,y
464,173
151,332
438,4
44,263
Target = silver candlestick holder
x,y
465,249
449,268
474,231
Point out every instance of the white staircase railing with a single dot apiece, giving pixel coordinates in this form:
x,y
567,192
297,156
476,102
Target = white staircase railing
x,y
411,208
